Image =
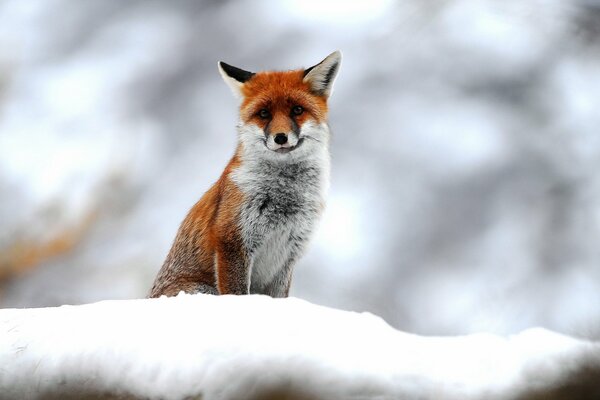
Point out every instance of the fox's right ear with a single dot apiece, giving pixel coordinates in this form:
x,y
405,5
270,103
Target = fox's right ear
x,y
234,77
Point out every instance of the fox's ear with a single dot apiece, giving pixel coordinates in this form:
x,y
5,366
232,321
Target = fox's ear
x,y
234,77
321,76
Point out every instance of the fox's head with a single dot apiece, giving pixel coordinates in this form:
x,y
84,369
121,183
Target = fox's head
x,y
283,112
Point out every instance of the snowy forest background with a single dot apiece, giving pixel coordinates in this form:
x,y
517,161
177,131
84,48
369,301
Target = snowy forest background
x,y
466,154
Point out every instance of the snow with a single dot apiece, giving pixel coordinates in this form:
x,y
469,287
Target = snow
x,y
231,347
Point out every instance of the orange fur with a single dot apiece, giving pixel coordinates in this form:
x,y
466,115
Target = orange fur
x,y
279,92
210,223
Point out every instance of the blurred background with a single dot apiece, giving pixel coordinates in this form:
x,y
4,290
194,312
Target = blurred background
x,y
465,160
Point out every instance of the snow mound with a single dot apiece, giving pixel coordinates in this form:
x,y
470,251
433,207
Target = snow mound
x,y
255,347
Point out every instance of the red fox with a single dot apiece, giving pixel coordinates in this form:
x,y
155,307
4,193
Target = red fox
x,y
247,231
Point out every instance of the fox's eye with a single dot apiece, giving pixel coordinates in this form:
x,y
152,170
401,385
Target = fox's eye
x,y
264,113
297,110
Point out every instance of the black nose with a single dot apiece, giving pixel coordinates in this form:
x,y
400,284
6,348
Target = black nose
x,y
280,138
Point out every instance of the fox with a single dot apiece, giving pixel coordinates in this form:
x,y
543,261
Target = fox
x,y
246,233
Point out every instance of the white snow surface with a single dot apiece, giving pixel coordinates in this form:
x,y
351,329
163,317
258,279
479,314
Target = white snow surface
x,y
245,347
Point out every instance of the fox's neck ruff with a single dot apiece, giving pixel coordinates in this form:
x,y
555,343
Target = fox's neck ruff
x,y
284,198
306,166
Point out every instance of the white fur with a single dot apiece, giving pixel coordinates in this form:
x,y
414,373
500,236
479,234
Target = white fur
x,y
277,236
317,77
272,255
234,85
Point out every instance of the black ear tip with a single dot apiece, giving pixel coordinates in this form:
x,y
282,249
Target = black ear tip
x,y
238,74
225,67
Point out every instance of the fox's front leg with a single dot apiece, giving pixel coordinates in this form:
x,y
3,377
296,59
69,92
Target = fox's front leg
x,y
233,269
280,285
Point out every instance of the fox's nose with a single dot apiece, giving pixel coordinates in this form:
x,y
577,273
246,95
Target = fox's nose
x,y
280,138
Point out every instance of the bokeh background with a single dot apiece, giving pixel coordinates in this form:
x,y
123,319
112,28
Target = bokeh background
x,y
466,153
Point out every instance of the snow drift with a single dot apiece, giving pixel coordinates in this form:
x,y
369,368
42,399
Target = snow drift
x,y
255,347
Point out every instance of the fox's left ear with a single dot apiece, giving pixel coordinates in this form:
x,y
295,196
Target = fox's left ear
x,y
234,77
321,76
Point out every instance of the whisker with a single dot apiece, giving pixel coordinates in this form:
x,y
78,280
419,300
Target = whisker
x,y
310,137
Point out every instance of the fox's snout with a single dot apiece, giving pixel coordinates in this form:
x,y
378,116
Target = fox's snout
x,y
282,140
281,125
281,131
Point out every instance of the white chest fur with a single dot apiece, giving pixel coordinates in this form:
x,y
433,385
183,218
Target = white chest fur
x,y
284,200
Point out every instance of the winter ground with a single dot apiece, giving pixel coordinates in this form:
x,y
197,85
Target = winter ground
x,y
256,347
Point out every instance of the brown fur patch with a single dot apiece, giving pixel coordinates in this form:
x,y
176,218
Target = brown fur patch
x,y
212,221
